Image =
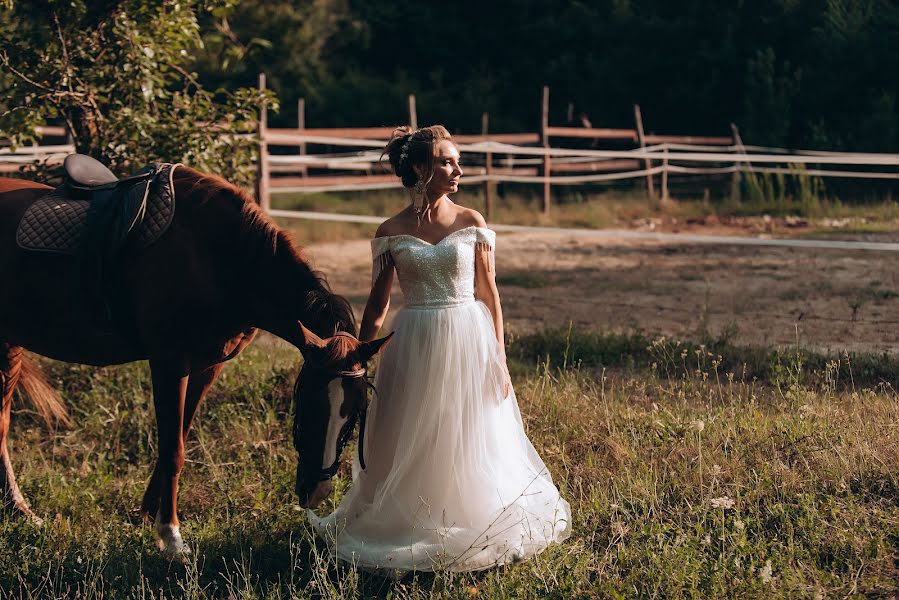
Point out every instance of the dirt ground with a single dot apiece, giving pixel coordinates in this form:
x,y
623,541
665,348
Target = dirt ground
x,y
836,300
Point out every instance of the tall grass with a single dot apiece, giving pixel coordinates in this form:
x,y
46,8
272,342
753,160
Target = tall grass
x,y
692,480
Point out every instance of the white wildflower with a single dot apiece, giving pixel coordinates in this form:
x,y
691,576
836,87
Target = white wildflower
x,y
739,525
766,572
698,425
706,540
722,502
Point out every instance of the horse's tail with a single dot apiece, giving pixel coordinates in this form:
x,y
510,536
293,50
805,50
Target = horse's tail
x,y
34,384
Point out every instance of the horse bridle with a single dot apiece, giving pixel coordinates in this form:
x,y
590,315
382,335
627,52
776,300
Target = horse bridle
x,y
347,430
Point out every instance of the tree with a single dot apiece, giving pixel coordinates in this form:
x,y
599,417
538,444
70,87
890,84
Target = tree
x,y
292,41
114,72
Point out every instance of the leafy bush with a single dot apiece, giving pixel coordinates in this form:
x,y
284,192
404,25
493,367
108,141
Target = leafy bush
x,y
114,73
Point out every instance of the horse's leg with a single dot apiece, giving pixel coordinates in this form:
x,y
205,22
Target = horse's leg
x,y
197,385
169,390
10,369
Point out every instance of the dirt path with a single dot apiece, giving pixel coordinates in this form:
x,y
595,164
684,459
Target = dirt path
x,y
838,299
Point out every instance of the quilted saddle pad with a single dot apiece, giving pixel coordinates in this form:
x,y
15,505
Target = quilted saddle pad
x,y
56,223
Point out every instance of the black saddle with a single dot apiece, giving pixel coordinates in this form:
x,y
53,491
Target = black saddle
x,y
94,212
116,206
96,217
89,179
86,172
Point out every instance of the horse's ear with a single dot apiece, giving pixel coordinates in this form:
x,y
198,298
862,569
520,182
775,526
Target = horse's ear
x,y
369,349
310,340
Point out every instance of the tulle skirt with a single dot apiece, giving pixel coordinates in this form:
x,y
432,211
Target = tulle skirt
x,y
451,481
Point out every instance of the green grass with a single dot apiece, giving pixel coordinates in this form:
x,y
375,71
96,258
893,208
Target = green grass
x,y
687,478
713,355
591,210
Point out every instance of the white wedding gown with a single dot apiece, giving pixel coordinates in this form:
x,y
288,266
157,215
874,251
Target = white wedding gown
x,y
452,481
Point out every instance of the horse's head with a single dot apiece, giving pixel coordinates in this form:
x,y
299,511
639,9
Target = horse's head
x,y
330,395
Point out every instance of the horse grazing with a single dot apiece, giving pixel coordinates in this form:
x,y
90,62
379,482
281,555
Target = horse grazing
x,y
187,302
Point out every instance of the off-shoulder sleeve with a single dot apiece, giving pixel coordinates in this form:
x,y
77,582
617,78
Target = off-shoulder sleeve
x,y
485,241
381,257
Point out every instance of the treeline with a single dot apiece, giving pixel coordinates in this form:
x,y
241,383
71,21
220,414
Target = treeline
x,y
797,73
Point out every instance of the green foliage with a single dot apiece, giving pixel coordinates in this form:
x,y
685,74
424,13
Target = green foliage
x,y
802,73
770,93
114,73
292,42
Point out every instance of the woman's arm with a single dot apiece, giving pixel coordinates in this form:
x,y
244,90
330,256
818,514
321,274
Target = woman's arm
x,y
377,305
381,282
486,292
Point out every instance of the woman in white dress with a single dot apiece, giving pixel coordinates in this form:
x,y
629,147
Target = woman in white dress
x,y
452,481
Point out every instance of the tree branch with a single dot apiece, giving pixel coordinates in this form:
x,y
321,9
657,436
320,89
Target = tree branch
x,y
65,52
5,59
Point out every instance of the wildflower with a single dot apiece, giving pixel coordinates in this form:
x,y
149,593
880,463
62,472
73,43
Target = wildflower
x,y
765,574
739,525
717,470
722,502
619,529
698,425
472,592
707,540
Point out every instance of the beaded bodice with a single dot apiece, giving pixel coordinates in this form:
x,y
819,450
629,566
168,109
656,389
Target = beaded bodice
x,y
433,275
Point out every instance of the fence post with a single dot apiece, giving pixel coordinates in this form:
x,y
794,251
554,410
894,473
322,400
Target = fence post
x,y
547,166
738,166
488,169
301,125
650,189
665,197
262,167
413,115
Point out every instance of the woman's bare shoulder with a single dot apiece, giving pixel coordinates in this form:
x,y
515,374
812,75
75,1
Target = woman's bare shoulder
x,y
468,217
396,225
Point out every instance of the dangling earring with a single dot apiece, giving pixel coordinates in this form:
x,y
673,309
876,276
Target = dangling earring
x,y
418,197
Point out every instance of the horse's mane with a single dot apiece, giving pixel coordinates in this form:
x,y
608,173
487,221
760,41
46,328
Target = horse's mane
x,y
338,347
261,238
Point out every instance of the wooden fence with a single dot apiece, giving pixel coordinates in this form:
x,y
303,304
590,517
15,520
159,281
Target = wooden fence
x,y
292,172
533,158
55,153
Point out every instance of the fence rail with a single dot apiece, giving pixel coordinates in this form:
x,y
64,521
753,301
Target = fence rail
x,y
539,157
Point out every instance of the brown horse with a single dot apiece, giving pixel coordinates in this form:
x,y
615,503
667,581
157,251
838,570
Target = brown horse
x,y
187,303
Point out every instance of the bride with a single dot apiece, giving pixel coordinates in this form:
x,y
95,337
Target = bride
x,y
452,481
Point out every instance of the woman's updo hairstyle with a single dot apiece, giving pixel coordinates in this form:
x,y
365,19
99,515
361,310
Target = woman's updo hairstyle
x,y
410,147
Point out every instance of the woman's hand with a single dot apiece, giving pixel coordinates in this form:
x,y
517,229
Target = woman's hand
x,y
507,378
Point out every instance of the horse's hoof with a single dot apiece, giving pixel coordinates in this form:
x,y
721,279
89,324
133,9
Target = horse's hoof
x,y
170,542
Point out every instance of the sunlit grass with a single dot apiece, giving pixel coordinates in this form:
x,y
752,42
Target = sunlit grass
x,y
591,210
687,477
